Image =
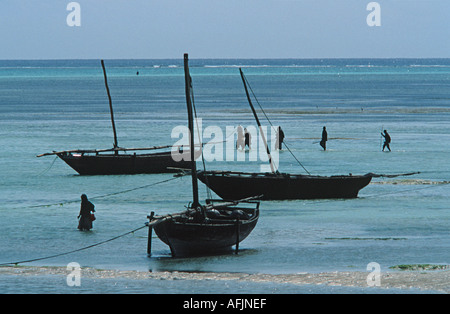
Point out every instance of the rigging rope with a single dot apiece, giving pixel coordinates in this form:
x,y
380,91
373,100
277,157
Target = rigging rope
x,y
208,191
270,122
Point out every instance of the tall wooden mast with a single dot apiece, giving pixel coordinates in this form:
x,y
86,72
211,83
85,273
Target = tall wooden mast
x,y
116,145
188,86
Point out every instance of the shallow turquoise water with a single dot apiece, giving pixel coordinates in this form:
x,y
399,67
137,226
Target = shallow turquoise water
x,y
57,105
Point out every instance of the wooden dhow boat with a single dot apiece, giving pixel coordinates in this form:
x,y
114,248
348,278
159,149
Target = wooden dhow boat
x,y
119,160
281,186
203,229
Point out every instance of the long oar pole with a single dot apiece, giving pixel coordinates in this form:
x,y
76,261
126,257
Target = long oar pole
x,y
381,137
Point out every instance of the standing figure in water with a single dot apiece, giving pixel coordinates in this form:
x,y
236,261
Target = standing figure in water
x,y
387,140
324,140
248,139
280,138
240,143
85,217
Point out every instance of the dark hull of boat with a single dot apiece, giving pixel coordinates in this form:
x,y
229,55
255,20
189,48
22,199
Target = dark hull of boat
x,y
111,164
234,186
193,239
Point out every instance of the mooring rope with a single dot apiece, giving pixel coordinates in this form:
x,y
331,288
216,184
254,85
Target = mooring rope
x,y
134,230
48,168
92,245
100,196
73,251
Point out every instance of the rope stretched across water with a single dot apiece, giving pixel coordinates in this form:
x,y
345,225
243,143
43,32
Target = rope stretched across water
x,y
101,196
73,251
92,245
145,226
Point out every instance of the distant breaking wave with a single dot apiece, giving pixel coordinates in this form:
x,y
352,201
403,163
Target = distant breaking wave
x,y
223,66
236,62
351,110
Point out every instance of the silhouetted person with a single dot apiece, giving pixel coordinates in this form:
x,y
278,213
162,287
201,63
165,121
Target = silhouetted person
x,y
85,219
280,138
240,142
387,140
324,140
248,139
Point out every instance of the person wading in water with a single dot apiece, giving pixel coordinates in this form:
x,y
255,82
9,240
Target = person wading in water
x,y
387,140
85,217
248,139
280,139
324,140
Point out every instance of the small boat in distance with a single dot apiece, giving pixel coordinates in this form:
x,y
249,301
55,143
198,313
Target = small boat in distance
x,y
118,160
281,186
203,229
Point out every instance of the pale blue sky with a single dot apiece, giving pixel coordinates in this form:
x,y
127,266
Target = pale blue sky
x,y
148,29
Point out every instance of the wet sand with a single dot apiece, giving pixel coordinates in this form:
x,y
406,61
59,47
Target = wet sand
x,y
438,281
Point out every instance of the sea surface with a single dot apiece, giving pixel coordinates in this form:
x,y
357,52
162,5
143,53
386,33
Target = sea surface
x,y
52,105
